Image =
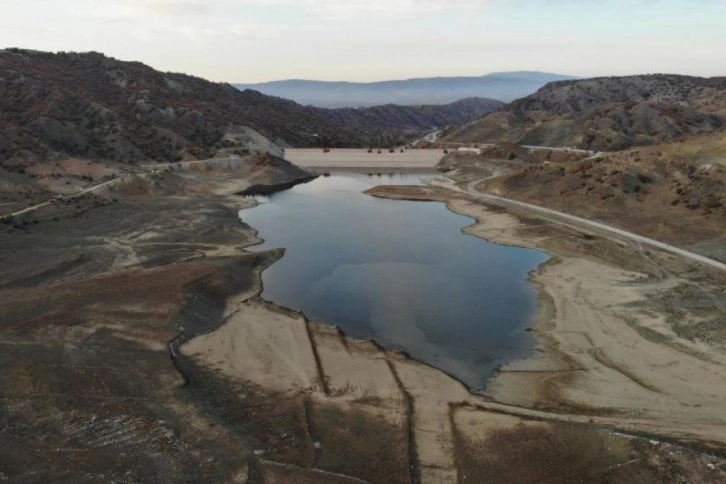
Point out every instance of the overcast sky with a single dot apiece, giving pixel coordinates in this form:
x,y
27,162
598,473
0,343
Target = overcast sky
x,y
367,40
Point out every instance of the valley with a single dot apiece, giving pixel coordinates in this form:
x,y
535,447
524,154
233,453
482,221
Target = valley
x,y
158,324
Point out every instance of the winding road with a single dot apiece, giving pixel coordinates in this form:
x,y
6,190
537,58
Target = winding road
x,y
117,177
470,190
90,189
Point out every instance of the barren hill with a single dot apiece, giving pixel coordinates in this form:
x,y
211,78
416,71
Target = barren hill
x,y
672,192
606,114
92,106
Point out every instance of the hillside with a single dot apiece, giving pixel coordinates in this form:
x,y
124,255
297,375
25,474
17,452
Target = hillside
x,y
392,118
674,192
92,106
606,114
504,86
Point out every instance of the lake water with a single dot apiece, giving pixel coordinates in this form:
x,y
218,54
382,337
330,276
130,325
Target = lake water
x,y
399,272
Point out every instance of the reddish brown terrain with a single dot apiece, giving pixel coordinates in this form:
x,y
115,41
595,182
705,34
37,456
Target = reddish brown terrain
x,y
136,346
92,106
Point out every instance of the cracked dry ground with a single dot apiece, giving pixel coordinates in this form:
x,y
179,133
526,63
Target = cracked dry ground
x,y
91,388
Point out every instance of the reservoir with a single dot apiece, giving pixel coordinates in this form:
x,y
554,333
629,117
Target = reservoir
x,y
399,272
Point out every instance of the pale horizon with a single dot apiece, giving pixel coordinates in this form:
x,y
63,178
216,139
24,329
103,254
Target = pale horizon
x,y
252,41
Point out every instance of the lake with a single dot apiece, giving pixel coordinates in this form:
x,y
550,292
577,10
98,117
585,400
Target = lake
x,y
399,272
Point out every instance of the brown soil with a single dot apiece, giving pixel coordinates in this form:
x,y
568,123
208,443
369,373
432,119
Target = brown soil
x,y
673,192
134,349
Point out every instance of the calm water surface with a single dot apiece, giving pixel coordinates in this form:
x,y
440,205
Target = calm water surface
x,y
399,272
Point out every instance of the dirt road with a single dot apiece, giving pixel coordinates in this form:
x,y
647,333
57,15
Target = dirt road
x,y
470,189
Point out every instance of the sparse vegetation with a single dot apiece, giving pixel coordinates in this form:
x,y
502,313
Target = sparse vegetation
x,y
606,114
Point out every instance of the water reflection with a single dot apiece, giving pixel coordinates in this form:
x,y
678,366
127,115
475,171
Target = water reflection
x,y
400,272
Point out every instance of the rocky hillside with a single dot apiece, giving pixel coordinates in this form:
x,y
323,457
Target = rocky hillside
x,y
606,114
89,105
392,118
92,106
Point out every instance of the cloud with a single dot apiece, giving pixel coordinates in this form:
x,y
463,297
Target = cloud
x,y
376,6
177,7
250,32
196,34
144,8
393,5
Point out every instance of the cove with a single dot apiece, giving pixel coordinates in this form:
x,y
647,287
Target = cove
x,y
399,272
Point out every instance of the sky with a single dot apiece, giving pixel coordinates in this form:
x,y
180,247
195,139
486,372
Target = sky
x,y
370,40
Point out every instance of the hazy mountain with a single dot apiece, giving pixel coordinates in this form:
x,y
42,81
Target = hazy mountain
x,y
608,113
504,86
91,106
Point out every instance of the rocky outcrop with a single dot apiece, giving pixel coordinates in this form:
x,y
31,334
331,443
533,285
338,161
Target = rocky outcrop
x,y
606,114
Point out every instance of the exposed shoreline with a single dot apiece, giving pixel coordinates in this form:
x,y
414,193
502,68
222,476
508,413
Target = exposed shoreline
x,y
421,414
506,387
459,357
267,394
557,378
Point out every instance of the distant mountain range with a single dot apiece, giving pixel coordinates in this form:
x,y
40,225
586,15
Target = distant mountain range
x,y
503,86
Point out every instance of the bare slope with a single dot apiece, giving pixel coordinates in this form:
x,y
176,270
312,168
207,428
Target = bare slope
x,y
606,114
672,192
94,106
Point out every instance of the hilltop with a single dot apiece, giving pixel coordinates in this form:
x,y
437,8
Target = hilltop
x,y
504,86
606,114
